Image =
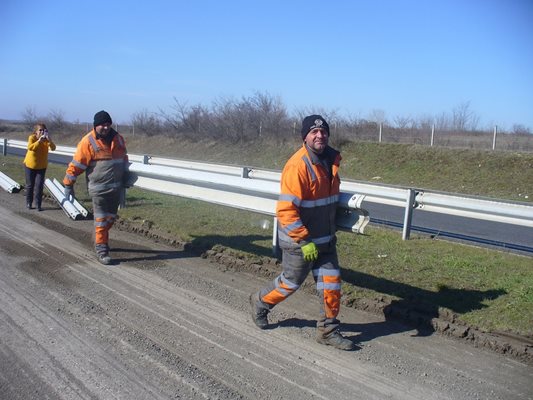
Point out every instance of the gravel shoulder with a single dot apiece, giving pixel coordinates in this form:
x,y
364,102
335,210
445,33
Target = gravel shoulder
x,y
166,323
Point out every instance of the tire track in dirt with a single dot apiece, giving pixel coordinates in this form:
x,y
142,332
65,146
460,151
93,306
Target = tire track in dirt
x,y
180,326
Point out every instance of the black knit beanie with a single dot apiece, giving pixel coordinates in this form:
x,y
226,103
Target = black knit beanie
x,y
311,122
102,117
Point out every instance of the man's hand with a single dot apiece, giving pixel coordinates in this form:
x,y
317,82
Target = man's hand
x,y
69,193
310,251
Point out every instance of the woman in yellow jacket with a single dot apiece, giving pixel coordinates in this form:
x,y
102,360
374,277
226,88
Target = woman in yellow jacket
x,y
35,164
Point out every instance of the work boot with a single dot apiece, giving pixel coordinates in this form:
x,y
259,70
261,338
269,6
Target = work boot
x,y
259,314
336,340
102,253
29,206
104,258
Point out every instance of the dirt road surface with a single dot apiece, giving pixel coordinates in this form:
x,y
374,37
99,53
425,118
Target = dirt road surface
x,y
163,324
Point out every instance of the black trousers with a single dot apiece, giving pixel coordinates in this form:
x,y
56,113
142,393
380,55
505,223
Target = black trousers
x,y
34,185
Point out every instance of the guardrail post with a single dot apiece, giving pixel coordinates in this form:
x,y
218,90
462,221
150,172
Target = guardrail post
x,y
145,159
4,147
245,172
408,217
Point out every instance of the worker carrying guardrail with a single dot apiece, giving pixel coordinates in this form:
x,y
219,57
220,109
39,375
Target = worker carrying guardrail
x,y
102,155
306,231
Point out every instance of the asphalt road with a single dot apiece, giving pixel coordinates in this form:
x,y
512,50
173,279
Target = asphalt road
x,y
163,324
497,235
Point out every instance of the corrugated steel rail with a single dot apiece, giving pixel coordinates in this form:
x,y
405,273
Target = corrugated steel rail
x,y
256,190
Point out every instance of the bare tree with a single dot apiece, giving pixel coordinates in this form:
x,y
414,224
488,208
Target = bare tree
x,y
463,118
230,118
520,129
29,117
404,123
443,122
425,122
56,120
378,116
147,123
268,114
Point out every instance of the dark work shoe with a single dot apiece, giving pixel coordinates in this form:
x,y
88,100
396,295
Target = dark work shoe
x,y
29,206
336,340
104,258
39,208
259,314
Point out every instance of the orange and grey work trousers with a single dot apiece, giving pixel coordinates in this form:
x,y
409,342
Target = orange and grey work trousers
x,y
326,273
105,207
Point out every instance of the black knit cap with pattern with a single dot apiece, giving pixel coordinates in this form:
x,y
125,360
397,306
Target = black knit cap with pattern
x,y
311,122
102,117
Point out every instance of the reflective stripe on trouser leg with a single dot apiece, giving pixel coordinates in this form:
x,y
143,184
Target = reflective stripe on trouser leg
x,y
282,288
102,225
295,270
326,273
328,284
105,212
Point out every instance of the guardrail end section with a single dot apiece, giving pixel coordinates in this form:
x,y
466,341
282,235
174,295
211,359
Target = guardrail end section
x,y
56,190
356,200
354,220
9,184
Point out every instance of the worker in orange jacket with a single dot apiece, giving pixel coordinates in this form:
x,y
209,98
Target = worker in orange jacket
x,y
102,155
306,231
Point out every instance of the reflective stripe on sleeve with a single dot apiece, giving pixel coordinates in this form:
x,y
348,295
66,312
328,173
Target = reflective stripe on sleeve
x,y
290,198
78,165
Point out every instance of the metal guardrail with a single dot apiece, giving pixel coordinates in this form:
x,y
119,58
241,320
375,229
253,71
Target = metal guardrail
x,y
73,209
218,184
256,189
9,184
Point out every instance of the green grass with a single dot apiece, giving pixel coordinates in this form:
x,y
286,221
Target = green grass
x,y
485,288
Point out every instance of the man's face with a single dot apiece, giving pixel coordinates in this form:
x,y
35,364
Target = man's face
x,y
317,140
103,129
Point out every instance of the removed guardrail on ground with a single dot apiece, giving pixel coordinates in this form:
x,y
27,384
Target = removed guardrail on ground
x,y
73,209
9,184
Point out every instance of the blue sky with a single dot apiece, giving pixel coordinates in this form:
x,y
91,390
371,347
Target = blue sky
x,y
405,58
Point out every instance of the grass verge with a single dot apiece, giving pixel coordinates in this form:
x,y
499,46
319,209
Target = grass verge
x,y
487,289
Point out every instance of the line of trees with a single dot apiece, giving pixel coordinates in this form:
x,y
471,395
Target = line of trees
x,y
262,115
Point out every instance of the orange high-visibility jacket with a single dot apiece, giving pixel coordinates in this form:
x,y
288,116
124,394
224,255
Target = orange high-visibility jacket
x,y
104,164
309,195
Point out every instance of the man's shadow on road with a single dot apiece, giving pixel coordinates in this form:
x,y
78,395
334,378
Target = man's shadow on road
x,y
146,255
415,310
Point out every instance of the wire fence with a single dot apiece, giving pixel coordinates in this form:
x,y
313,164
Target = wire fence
x,y
340,133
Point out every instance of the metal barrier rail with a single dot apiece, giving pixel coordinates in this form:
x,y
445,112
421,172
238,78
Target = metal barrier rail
x,y
215,184
73,209
9,184
263,185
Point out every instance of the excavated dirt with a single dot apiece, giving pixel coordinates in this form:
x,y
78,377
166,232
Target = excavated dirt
x,y
412,313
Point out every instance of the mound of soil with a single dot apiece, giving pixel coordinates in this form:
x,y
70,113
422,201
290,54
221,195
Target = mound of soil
x,y
412,313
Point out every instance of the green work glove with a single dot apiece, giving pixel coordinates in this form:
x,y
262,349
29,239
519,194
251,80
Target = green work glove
x,y
310,252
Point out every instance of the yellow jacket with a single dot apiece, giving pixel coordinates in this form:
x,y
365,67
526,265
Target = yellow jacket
x,y
37,154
